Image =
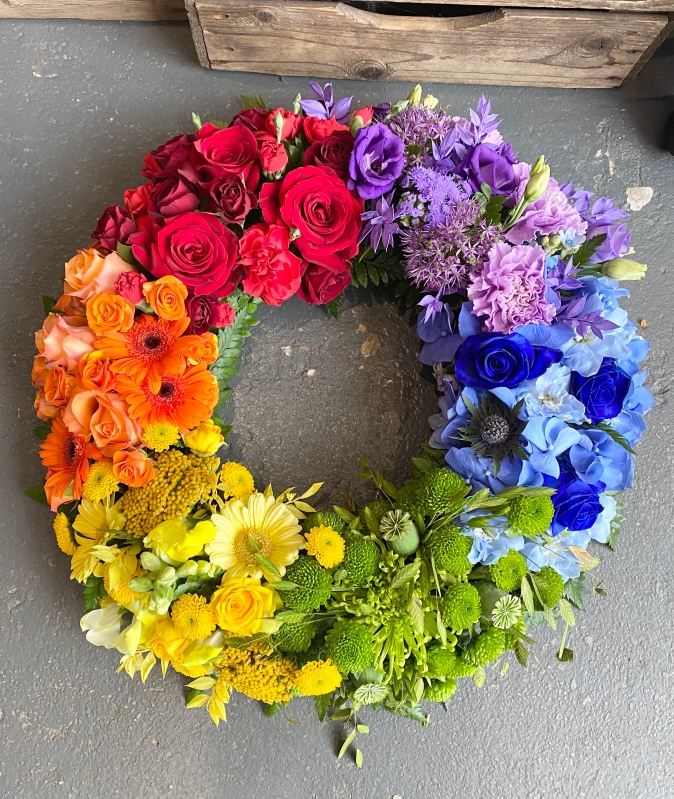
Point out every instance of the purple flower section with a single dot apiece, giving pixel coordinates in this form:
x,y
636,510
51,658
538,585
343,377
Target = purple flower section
x,y
416,126
603,219
439,192
377,161
491,165
325,107
380,225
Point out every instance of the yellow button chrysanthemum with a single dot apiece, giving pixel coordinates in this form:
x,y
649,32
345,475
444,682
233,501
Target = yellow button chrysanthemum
x,y
235,480
64,536
318,677
192,617
101,482
326,545
160,436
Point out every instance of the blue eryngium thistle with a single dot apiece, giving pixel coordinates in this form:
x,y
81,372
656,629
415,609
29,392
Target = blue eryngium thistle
x,y
494,430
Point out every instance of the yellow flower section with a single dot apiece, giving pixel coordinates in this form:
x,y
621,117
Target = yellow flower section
x,y
204,440
160,436
93,525
326,545
252,672
122,594
192,617
180,542
64,537
101,482
318,677
235,480
243,606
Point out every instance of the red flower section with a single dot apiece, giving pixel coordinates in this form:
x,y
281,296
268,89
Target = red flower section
x,y
292,124
233,151
167,159
136,200
273,155
333,151
316,129
320,285
272,271
252,118
232,199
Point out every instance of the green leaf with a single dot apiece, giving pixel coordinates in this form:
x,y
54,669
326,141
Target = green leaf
x,y
124,252
342,715
322,705
359,274
363,729
565,656
359,758
417,614
493,208
521,653
347,743
42,431
479,677
407,573
573,591
253,102
527,595
272,710
619,438
343,513
587,249
442,630
48,303
37,493
283,585
290,616
94,591
335,305
267,564
566,612
373,274
414,712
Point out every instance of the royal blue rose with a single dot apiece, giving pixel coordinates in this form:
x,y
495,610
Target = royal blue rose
x,y
603,393
377,161
490,360
577,507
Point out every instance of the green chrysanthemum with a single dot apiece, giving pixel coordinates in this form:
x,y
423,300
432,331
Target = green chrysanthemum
x,y
361,559
439,691
378,509
294,637
488,645
313,585
327,518
550,586
508,571
349,646
446,663
449,549
531,515
439,490
460,607
408,499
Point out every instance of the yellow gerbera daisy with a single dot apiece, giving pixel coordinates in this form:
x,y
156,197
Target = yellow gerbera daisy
x,y
192,617
258,525
160,436
92,526
326,545
100,483
235,480
63,533
318,677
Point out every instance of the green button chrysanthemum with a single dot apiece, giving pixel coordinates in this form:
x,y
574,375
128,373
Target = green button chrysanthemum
x,y
449,549
508,571
313,585
486,647
460,607
349,646
439,691
531,515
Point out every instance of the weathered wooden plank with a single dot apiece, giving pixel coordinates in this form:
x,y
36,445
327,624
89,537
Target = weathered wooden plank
x,y
638,6
521,47
197,33
143,10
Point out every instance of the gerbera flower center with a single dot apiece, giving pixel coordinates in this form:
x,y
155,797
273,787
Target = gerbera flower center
x,y
150,341
249,542
170,395
73,450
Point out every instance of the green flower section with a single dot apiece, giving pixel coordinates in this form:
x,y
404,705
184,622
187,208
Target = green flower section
x,y
313,585
294,637
349,646
378,509
408,499
446,663
507,572
361,559
485,648
439,691
449,549
327,518
439,490
550,586
460,607
531,515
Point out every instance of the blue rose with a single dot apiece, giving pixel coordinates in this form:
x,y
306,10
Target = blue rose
x,y
577,507
603,393
490,360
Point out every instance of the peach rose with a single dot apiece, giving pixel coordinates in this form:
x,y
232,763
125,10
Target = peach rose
x,y
94,372
70,306
58,385
205,349
39,372
63,340
166,297
108,312
105,417
241,605
133,468
90,272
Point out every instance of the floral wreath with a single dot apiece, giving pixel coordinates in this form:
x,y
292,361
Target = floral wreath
x,y
514,279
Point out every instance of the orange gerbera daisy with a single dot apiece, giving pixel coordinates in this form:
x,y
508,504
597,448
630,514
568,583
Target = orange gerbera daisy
x,y
184,397
66,455
150,349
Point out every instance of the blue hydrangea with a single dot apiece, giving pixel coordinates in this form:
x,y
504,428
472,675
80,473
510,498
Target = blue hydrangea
x,y
549,395
547,440
489,544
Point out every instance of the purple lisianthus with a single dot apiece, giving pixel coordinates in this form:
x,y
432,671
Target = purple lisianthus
x,y
603,393
491,165
377,161
603,219
115,225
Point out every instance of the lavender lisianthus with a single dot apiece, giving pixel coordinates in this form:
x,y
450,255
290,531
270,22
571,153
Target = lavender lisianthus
x,y
377,161
489,164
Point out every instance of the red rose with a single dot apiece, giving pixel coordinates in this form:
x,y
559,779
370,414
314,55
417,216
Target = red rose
x,y
206,311
232,199
292,124
232,150
252,118
114,225
196,248
168,158
273,155
272,271
366,113
136,200
316,203
316,129
320,285
333,151
174,196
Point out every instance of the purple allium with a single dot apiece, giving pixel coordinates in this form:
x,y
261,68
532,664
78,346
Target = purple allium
x,y
377,161
380,224
439,193
510,291
416,125
325,107
443,257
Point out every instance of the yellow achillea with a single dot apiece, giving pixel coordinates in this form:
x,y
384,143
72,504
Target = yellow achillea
x,y
318,677
326,545
254,673
160,436
64,536
192,617
235,480
101,482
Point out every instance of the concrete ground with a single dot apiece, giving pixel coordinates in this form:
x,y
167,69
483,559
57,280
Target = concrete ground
x,y
80,103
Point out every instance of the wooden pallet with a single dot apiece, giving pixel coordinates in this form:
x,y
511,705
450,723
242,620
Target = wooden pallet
x,y
143,10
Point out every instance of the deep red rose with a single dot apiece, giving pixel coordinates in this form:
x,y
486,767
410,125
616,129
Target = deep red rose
x,y
174,196
316,203
272,271
365,113
168,158
114,225
292,124
136,200
196,248
207,311
232,199
333,151
273,155
320,285
252,118
316,129
232,150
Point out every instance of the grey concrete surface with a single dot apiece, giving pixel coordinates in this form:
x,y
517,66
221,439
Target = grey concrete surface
x,y
80,103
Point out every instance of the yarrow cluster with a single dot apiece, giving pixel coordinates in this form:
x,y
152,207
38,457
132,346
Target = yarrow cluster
x,y
515,279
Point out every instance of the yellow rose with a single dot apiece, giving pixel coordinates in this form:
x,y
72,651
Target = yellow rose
x,y
204,440
241,605
178,541
168,643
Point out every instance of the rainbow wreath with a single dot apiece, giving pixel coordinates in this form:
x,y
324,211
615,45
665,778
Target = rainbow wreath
x,y
514,279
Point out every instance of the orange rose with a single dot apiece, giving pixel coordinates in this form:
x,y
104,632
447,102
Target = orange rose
x,y
108,312
105,417
94,373
90,272
133,468
166,297
63,340
39,372
205,349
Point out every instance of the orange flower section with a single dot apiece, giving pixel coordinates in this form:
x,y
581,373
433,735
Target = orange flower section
x,y
166,297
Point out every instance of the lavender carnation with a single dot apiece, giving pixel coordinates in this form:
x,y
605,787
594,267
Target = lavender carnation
x,y
510,291
416,126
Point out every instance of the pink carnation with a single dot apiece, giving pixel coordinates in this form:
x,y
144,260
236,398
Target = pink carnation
x,y
510,291
552,213
130,286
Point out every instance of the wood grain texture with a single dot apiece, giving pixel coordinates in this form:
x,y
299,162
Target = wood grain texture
x,y
521,47
197,33
639,6
142,10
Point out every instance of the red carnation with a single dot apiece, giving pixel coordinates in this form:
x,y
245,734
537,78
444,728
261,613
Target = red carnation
x,y
320,285
272,271
167,158
333,151
273,155
136,200
292,124
316,129
365,113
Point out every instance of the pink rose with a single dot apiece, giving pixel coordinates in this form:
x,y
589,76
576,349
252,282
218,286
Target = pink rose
x,y
130,286
115,225
320,285
63,340
272,271
90,272
167,158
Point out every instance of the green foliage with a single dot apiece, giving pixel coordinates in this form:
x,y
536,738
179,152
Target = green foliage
x,y
449,549
335,304
380,268
48,304
328,518
531,515
322,705
460,607
488,645
253,102
512,638
349,646
37,493
124,252
438,691
573,591
42,431
508,571
361,559
587,249
94,591
313,585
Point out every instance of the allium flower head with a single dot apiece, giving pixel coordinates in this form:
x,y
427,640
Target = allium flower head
x,y
416,126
